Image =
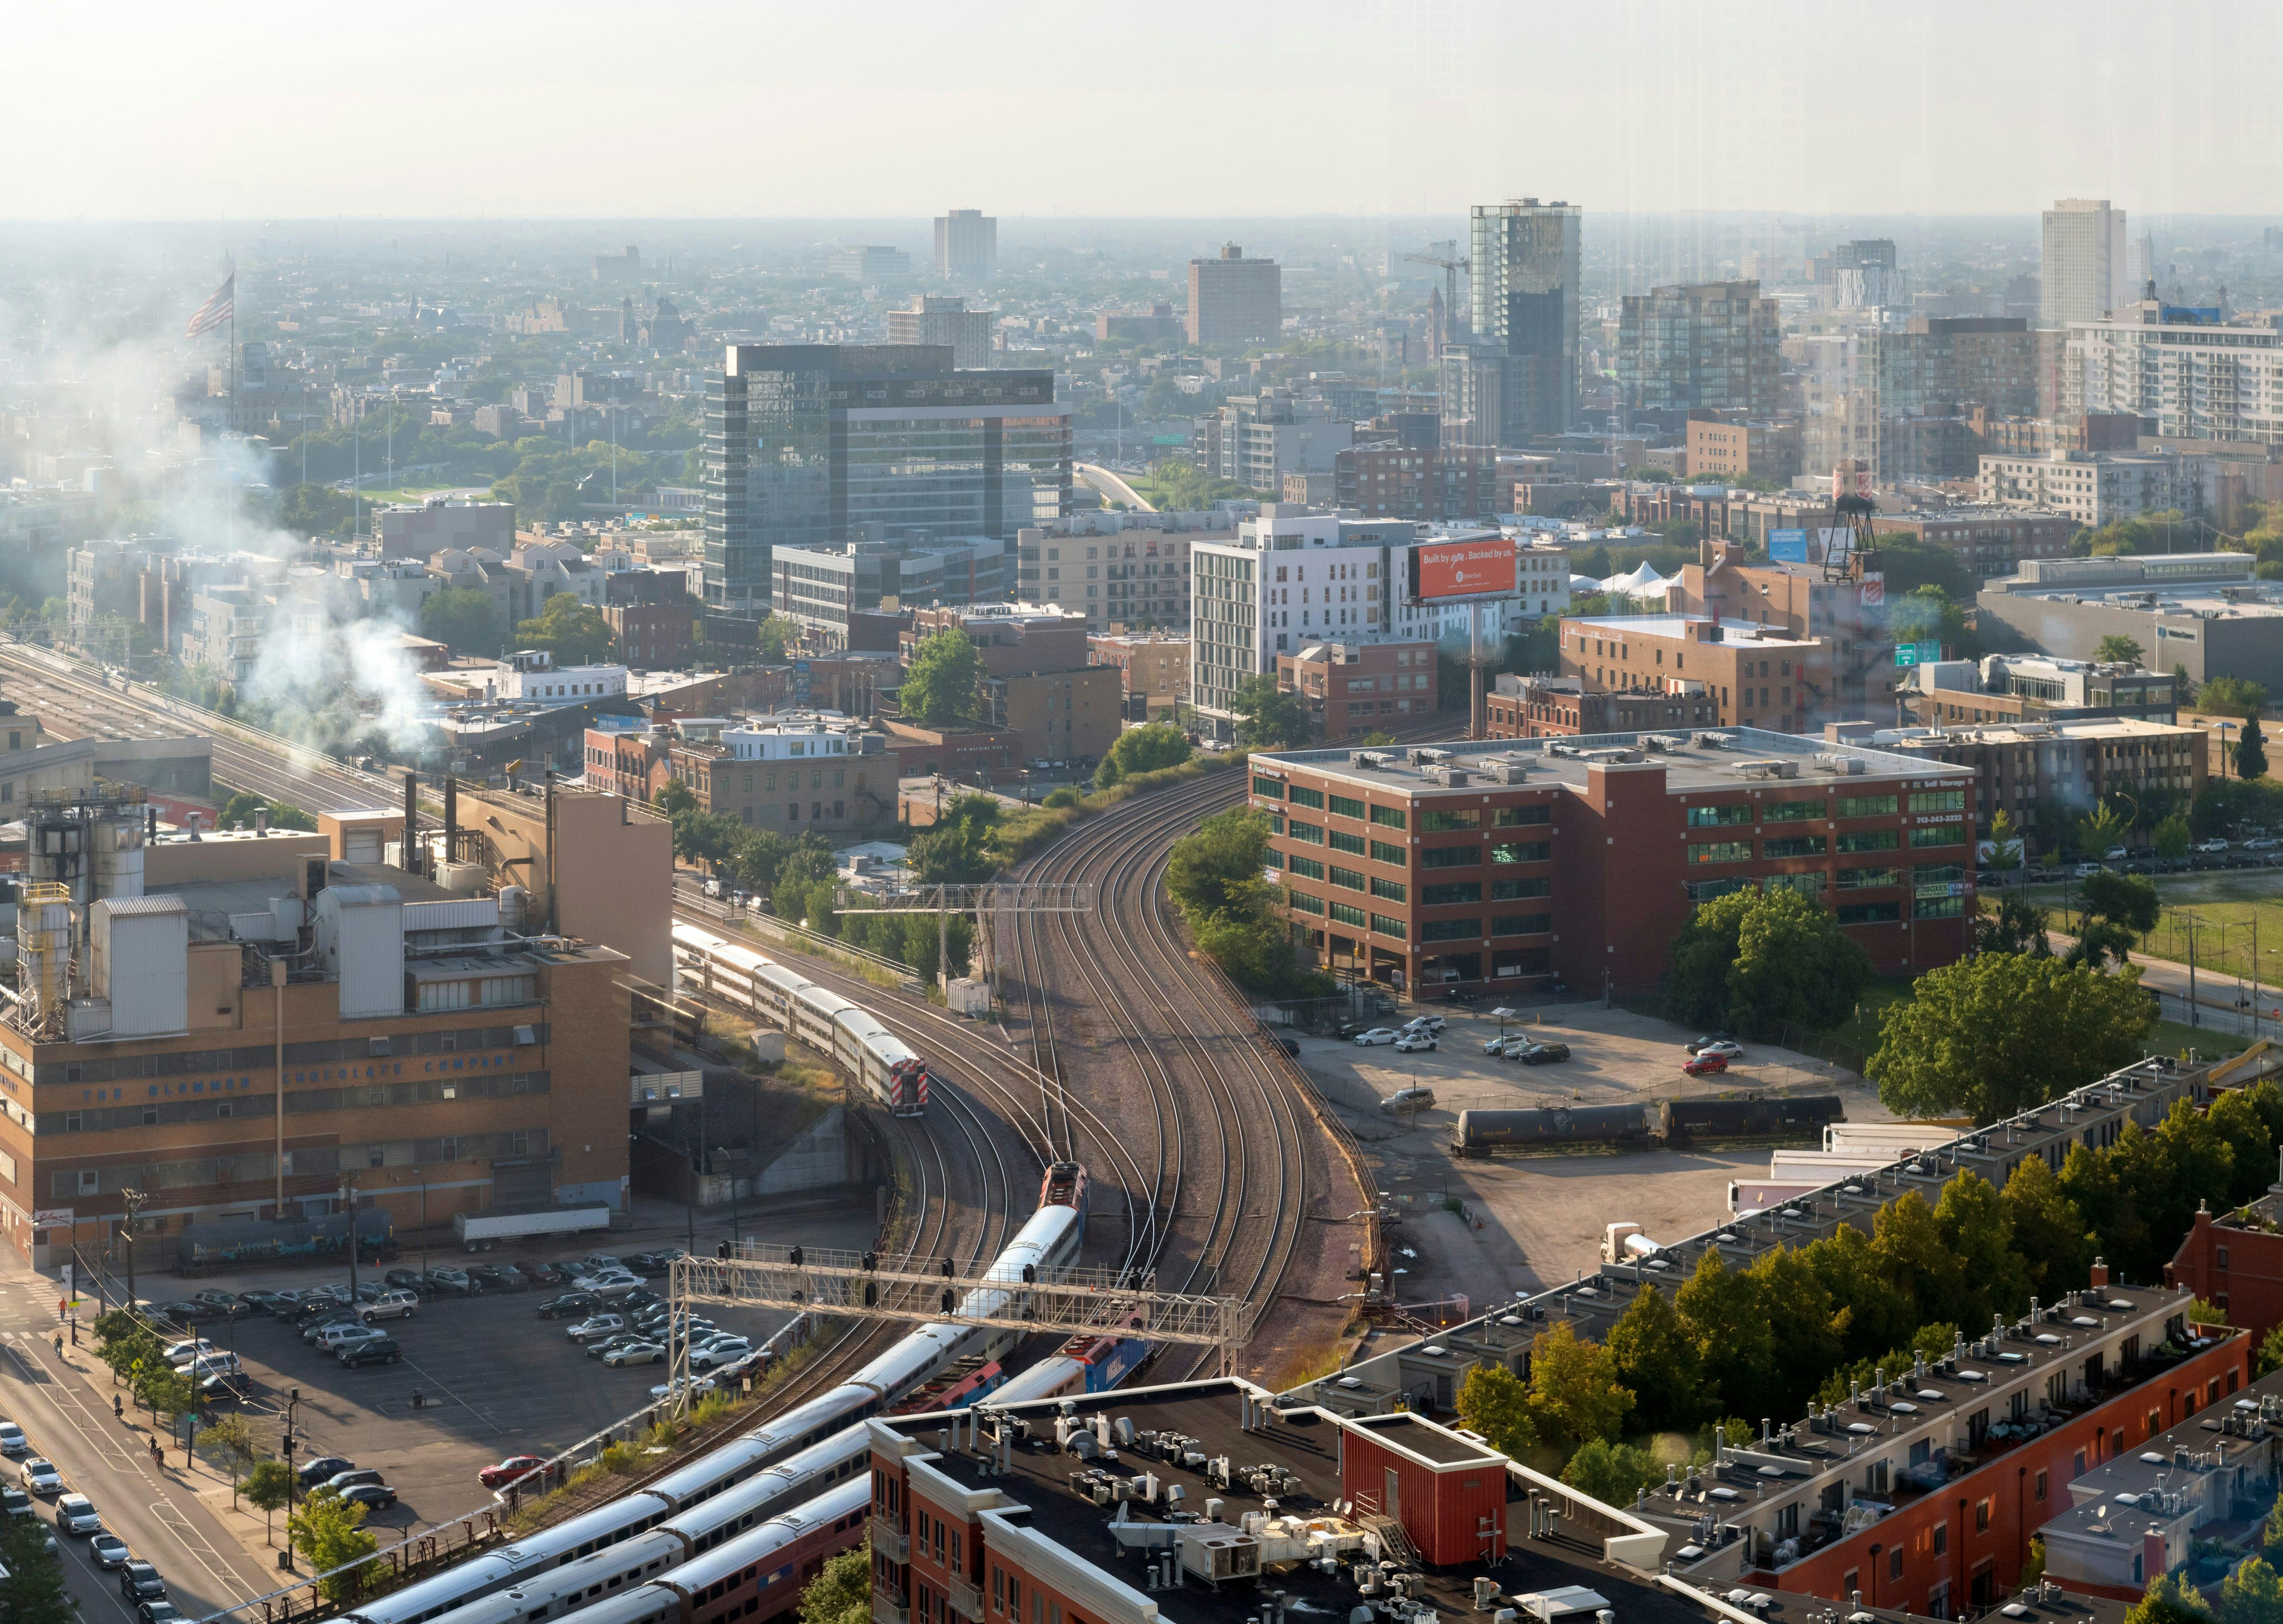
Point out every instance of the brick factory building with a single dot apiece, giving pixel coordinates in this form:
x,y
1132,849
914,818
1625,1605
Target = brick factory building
x,y
1581,858
1751,675
1545,707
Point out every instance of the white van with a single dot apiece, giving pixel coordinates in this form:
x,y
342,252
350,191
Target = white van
x,y
392,1305
334,1338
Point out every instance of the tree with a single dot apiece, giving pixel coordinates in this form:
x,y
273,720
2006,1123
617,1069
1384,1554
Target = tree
x,y
1150,749
2004,843
2101,828
2253,1593
952,853
1720,1307
2119,648
2171,838
2231,696
231,1439
465,619
940,685
1209,872
1491,1401
2119,910
2049,1232
2001,1033
35,1591
329,1532
2168,1600
1615,1474
1752,959
1574,1391
773,634
2250,750
1977,1225
1653,1355
574,632
267,1487
841,1593
2018,926
1267,717
674,797
1930,615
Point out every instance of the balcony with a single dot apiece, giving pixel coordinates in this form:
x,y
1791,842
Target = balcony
x,y
966,1599
890,1542
888,1609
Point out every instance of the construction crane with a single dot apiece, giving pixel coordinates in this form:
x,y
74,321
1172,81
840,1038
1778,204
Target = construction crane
x,y
1453,264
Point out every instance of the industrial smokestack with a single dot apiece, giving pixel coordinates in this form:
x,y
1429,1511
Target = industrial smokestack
x,y
451,817
411,823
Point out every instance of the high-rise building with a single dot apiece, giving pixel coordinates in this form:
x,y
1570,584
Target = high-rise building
x,y
1235,300
935,319
820,444
1516,375
871,262
966,246
1706,344
2195,375
2082,262
1864,274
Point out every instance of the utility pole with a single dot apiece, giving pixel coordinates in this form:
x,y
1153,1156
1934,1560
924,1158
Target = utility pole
x,y
134,1199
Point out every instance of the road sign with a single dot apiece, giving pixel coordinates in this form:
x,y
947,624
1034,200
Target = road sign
x,y
1917,654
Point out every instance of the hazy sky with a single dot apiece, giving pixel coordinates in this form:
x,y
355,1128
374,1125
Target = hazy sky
x,y
1180,107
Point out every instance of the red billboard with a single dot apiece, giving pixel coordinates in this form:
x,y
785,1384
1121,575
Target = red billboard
x,y
1480,568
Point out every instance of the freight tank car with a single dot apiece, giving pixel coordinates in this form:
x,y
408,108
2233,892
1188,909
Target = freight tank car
x,y
1680,1122
1553,1128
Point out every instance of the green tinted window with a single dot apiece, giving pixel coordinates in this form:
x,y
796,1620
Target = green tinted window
x,y
1869,840
1442,896
1306,797
1382,852
1303,903
1347,879
1267,786
1389,817
1451,931
1451,857
1522,924
1791,811
1388,891
1387,926
1868,806
1520,817
1307,833
1347,915
1869,913
1939,801
1718,817
1307,865
1346,806
1939,835
1347,842
1525,851
1514,891
1721,851
1793,845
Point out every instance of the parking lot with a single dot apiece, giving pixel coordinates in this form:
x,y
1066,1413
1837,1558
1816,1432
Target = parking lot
x,y
495,1379
1529,1222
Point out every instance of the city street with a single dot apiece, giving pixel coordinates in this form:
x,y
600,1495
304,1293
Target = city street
x,y
157,1513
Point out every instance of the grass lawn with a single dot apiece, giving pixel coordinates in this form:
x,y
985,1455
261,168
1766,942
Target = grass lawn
x,y
1861,1032
2226,904
2165,1037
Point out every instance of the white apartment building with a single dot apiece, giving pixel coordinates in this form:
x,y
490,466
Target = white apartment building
x,y
2096,487
2082,262
1294,576
532,674
801,736
2198,379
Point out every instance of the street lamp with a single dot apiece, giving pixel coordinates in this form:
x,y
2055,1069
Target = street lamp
x,y
723,1152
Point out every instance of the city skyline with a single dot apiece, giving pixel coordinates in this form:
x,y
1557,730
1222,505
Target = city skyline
x,y
1646,108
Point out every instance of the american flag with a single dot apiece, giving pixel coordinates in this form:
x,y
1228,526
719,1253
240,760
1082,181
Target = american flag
x,y
217,310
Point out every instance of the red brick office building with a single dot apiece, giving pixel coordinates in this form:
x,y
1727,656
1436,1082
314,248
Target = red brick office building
x,y
1515,862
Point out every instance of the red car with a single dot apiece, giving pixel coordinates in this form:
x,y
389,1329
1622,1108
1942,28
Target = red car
x,y
1701,1064
508,1470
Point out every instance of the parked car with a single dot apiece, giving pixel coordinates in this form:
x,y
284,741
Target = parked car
x,y
1544,1054
259,1302
75,1515
332,1320
603,1346
1377,1035
508,1470
614,1286
1419,1099
1291,1046
1704,1065
138,1580
715,1354
1433,1024
41,1477
399,1304
2214,847
1500,1046
379,1350
1724,1048
452,1283
109,1550
634,1352
313,1472
574,1304
225,1301
641,1298
13,1440
2085,871
230,1387
408,1280
354,1334
2265,842
696,1384
596,1325
499,1276
189,1313
350,1478
372,1497
1412,1043
542,1274
1701,1044
224,1363
158,1612
15,1502
179,1354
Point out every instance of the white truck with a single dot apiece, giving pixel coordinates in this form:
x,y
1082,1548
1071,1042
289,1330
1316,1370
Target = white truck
x,y
483,1229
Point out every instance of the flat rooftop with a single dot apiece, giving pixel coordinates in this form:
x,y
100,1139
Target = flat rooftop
x,y
2027,733
1676,627
1305,1443
1691,764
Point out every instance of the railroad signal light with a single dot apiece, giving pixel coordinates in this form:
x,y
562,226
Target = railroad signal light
x,y
795,1259
871,1294
947,1294
871,1261
947,1269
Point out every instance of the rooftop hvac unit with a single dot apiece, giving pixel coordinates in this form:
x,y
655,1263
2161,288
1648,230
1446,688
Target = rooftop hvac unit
x,y
1505,772
1664,741
1450,777
1371,760
1716,741
1426,756
1768,769
1613,755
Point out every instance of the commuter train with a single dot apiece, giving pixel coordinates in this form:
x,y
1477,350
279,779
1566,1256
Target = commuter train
x,y
1083,1365
779,1464
831,1025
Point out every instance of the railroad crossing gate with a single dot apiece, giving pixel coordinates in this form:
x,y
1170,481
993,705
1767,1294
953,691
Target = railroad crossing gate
x,y
1069,1302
